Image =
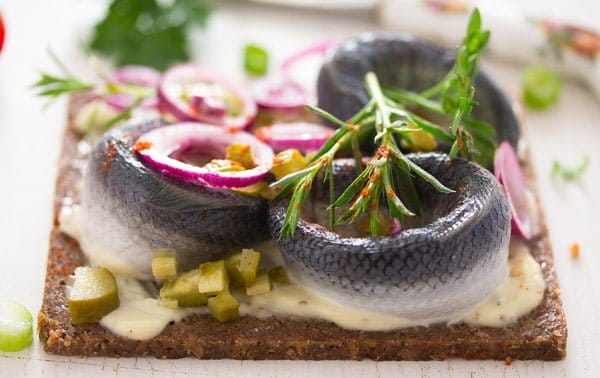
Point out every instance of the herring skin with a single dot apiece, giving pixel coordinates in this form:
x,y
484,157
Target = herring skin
x,y
429,273
406,62
129,210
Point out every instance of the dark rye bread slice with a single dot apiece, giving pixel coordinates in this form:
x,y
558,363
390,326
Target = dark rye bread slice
x,y
541,335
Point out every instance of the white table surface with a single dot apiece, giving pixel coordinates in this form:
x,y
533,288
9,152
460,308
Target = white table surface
x,y
30,143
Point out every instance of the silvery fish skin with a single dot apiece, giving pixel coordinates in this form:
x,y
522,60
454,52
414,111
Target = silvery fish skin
x,y
406,62
433,272
130,210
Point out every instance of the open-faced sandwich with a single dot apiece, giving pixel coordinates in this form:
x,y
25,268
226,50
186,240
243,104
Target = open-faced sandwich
x,y
403,224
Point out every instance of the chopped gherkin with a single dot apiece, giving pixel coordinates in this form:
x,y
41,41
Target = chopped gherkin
x,y
224,165
213,277
168,303
418,140
261,285
164,265
255,189
232,265
224,307
184,289
287,162
92,294
241,153
242,267
248,266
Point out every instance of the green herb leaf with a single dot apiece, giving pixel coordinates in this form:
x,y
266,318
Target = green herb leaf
x,y
53,86
570,173
256,60
541,87
146,32
388,173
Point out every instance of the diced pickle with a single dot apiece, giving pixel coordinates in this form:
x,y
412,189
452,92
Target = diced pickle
x,y
287,162
224,307
418,140
242,153
255,189
232,264
184,289
224,165
269,193
384,224
278,275
248,266
262,284
168,303
213,277
92,294
164,265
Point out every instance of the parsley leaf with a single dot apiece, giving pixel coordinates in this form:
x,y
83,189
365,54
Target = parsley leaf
x,y
146,32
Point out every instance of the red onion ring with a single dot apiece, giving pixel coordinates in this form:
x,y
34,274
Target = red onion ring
x,y
319,48
133,75
302,136
279,93
156,148
395,226
171,101
285,93
508,172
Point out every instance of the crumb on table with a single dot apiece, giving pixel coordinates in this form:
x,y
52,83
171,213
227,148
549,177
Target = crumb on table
x,y
574,250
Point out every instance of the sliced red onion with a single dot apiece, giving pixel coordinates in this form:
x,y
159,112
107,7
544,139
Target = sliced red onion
x,y
508,172
159,147
395,227
279,94
319,48
302,136
133,75
183,82
136,75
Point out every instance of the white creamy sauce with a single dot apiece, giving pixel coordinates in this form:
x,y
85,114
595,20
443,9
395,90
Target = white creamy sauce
x,y
141,317
521,292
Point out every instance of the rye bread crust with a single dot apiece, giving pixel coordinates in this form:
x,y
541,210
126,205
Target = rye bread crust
x,y
541,335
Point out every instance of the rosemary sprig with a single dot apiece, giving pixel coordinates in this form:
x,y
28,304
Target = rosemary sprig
x,y
472,139
388,175
53,86
378,179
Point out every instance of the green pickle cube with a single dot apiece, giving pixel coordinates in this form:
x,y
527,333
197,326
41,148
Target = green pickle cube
x,y
241,153
253,190
262,284
213,277
232,264
171,304
248,266
92,294
184,289
164,265
224,307
286,162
